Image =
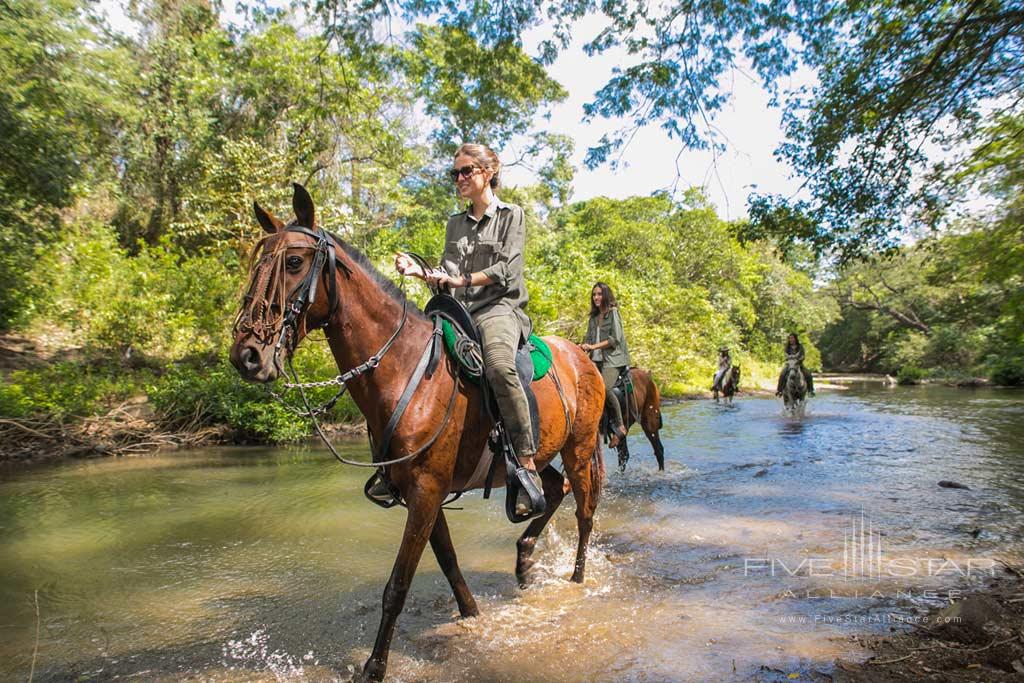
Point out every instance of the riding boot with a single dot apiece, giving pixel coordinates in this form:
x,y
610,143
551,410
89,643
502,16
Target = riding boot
x,y
782,382
526,499
810,382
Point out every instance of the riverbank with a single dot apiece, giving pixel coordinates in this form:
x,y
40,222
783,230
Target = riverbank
x,y
60,401
978,638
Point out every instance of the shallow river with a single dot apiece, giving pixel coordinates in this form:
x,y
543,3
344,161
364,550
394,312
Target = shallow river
x,y
765,545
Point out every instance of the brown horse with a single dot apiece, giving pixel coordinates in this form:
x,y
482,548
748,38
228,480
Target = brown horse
x,y
361,312
644,404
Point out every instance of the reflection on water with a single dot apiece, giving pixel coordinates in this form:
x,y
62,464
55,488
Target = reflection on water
x,y
242,564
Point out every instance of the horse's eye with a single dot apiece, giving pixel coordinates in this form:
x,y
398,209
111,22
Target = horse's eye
x,y
294,262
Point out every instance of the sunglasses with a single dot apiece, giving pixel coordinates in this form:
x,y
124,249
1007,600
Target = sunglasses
x,y
465,172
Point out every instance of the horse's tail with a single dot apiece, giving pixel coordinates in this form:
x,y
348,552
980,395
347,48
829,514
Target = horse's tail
x,y
653,402
597,473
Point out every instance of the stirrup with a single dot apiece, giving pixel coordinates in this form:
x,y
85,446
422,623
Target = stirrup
x,y
520,480
380,491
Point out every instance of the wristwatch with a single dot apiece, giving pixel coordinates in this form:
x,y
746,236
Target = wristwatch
x,y
467,278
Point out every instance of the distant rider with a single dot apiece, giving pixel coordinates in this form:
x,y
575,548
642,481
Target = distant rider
x,y
724,363
794,351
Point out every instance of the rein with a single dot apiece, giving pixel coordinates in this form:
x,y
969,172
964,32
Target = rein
x,y
305,295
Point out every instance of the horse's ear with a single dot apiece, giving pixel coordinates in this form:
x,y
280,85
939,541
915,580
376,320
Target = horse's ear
x,y
266,219
302,204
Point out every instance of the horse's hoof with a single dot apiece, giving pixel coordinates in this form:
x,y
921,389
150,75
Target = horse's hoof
x,y
371,673
523,573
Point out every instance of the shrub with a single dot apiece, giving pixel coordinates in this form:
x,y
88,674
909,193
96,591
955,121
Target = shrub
x,y
910,374
157,302
1008,372
67,389
215,395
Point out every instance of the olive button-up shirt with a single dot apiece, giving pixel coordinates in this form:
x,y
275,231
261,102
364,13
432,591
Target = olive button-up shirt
x,y
609,328
494,246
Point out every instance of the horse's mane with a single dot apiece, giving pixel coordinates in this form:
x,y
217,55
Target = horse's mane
x,y
384,282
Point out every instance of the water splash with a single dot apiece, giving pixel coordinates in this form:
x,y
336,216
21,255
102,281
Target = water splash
x,y
253,653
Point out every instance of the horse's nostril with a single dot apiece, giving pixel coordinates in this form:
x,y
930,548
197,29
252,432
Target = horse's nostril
x,y
251,358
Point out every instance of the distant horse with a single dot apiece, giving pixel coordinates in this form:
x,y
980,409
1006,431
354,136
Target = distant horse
x,y
730,384
643,405
794,391
382,344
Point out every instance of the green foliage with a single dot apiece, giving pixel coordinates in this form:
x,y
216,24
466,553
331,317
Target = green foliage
x,y
892,80
216,395
67,389
685,284
130,164
1008,371
158,302
54,118
910,374
950,304
475,92
212,393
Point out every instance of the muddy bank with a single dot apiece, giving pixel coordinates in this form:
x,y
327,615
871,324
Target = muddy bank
x,y
978,638
129,429
71,423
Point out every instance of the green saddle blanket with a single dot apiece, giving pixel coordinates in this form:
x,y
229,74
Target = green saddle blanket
x,y
539,351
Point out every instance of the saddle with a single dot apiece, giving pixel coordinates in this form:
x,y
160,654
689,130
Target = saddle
x,y
463,342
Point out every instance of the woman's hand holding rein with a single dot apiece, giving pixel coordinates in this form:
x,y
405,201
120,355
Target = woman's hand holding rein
x,y
437,277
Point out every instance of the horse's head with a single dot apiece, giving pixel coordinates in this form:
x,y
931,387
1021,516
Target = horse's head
x,y
794,377
292,289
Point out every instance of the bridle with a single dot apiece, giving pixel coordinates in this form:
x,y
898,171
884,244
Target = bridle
x,y
305,293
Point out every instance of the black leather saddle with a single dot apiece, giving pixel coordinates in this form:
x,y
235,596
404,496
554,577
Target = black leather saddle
x,y
450,308
446,306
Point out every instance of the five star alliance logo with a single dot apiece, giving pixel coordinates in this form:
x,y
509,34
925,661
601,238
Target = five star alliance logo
x,y
863,560
862,550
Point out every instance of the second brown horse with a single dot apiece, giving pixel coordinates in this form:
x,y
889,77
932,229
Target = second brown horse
x,y
643,406
367,311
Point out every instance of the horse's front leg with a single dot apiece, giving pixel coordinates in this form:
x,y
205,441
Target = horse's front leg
x,y
623,450
444,551
424,502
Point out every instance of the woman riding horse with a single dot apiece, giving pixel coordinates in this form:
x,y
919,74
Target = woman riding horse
x,y
304,278
606,344
794,351
724,362
483,265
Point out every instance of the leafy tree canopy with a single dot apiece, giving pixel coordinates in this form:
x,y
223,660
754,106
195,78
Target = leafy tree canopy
x,y
895,79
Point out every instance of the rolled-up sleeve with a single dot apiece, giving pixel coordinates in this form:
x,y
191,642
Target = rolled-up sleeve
x,y
618,337
507,269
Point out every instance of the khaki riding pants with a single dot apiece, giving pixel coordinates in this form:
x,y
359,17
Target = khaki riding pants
x,y
500,336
